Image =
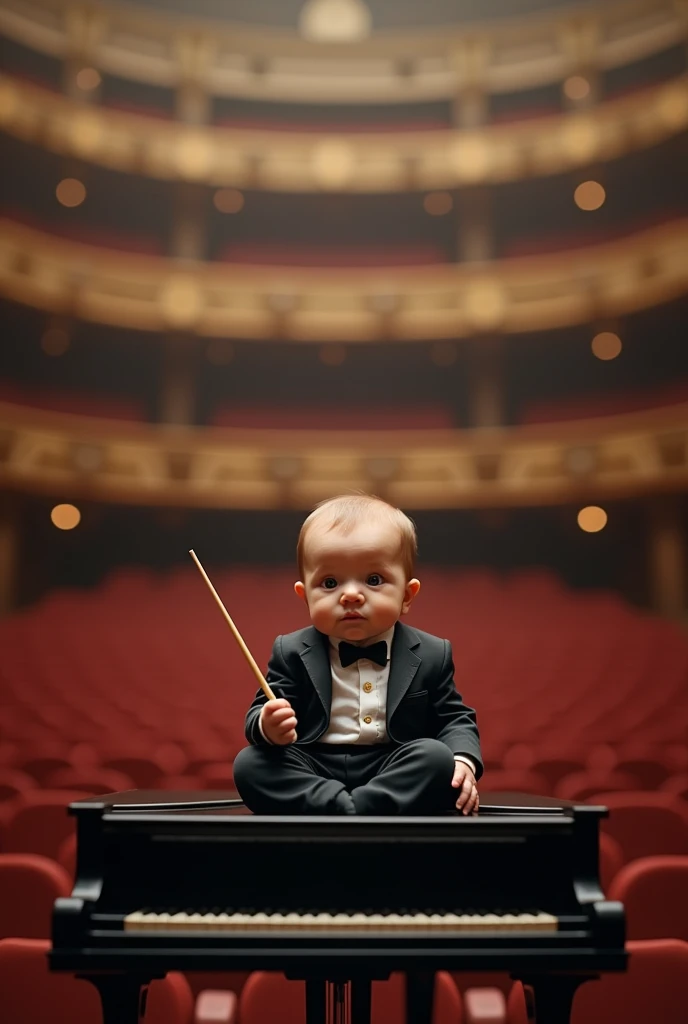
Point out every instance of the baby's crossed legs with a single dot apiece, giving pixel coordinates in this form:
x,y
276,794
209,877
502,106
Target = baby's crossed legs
x,y
328,778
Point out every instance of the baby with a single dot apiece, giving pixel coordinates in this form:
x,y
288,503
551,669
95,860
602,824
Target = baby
x,y
367,718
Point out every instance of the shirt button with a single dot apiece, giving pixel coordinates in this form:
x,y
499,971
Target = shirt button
x,y
367,687
367,719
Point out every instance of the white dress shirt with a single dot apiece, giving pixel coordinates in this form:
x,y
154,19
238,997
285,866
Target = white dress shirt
x,y
358,712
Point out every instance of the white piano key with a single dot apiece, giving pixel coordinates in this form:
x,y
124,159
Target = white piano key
x,y
244,921
223,922
195,921
293,920
452,922
133,922
546,922
512,922
492,922
140,921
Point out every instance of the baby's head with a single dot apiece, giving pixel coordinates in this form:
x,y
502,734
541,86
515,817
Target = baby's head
x,y
356,555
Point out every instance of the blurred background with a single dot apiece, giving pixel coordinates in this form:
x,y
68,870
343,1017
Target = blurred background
x,y
254,253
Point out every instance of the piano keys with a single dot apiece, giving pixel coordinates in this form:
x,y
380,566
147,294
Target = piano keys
x,y
190,882
345,924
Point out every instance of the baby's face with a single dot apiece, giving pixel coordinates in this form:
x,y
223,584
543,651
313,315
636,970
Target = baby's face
x,y
354,583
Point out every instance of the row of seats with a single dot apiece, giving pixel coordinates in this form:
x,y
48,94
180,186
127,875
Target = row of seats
x,y
129,772
142,661
653,989
313,417
300,254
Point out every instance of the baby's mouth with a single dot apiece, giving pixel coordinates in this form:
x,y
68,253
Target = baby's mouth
x,y
351,617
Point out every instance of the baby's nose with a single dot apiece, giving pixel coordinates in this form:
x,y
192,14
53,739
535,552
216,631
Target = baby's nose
x,y
351,592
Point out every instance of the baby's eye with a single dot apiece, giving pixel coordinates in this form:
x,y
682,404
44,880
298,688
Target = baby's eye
x,y
329,583
374,580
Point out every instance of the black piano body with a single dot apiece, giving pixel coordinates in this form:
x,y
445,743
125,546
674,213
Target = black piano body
x,y
190,881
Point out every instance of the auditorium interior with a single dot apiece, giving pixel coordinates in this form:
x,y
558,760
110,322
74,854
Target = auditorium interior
x,y
257,253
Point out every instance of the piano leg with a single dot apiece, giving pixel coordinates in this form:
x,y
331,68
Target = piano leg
x,y
360,1001
123,996
316,1001
420,994
554,995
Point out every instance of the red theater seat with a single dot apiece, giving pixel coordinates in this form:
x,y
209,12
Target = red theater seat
x,y
91,780
515,781
654,891
649,773
645,824
560,674
611,860
553,769
582,785
30,993
37,822
677,785
13,782
652,991
66,855
41,768
217,776
29,886
267,996
145,772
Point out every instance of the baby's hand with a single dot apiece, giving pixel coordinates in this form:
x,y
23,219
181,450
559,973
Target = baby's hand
x,y
464,779
279,722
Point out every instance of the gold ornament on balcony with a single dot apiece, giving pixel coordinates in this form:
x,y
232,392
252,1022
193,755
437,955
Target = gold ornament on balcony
x,y
485,303
580,138
9,102
333,162
194,155
334,21
180,301
86,133
672,106
469,157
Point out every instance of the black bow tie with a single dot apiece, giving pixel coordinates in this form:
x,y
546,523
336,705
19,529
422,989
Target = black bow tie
x,y
348,653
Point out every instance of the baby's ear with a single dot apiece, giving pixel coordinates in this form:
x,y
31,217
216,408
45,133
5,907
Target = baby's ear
x,y
412,588
300,590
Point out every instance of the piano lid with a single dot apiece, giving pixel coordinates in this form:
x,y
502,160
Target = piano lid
x,y
228,802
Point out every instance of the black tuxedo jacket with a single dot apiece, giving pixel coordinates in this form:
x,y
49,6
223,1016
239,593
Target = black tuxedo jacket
x,y
422,700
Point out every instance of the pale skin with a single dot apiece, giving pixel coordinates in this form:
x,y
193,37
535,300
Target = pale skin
x,y
355,588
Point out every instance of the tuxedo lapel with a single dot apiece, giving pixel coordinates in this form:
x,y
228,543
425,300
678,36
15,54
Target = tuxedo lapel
x,y
315,657
404,664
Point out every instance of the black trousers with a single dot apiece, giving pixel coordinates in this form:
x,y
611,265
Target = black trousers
x,y
328,778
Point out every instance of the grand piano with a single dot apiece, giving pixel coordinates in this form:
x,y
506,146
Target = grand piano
x,y
192,881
